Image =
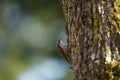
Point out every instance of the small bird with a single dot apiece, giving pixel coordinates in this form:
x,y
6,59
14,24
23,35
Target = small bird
x,y
62,48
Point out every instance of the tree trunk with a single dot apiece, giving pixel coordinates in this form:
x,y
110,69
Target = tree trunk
x,y
93,37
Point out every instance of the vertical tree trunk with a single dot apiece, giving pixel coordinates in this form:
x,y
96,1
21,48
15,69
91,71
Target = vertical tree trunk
x,y
93,36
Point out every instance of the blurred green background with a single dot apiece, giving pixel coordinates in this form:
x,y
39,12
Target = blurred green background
x,y
29,30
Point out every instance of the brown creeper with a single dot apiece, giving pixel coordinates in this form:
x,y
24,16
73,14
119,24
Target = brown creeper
x,y
62,48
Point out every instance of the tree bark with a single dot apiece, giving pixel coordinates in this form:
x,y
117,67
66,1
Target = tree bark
x,y
93,37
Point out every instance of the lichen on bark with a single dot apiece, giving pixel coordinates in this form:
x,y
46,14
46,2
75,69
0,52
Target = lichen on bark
x,y
93,32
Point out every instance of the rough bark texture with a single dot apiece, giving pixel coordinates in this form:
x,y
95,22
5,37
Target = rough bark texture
x,y
93,32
